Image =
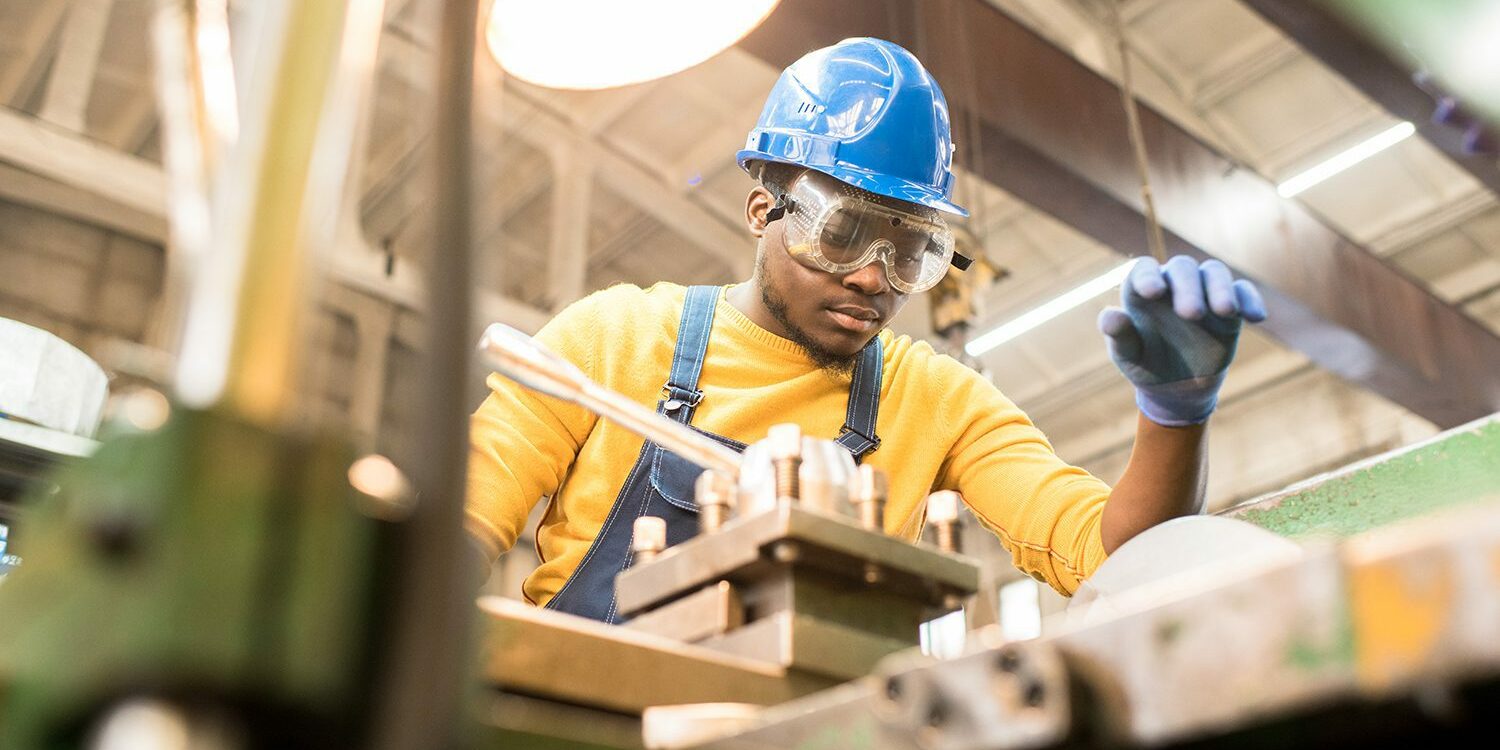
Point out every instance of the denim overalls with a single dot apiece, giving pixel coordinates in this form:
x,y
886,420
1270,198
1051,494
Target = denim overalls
x,y
661,482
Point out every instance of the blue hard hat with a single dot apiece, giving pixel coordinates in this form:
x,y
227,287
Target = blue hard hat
x,y
866,112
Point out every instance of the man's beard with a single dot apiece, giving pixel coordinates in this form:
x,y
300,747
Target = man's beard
x,y
839,364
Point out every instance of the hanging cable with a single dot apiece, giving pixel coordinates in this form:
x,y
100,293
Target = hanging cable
x,y
1137,140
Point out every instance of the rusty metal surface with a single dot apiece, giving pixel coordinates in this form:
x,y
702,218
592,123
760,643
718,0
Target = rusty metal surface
x,y
1054,135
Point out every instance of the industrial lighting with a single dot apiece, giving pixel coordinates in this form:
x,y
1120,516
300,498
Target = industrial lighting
x,y
1347,159
1049,310
595,44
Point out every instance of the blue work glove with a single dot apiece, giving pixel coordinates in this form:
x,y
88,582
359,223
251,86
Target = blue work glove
x,y
1176,335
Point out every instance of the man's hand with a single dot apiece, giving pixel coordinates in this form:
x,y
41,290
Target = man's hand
x,y
1176,335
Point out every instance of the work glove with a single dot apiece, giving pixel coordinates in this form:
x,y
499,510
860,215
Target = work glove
x,y
1176,335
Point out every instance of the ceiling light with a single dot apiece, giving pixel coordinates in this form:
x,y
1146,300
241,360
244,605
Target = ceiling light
x,y
1049,310
595,44
1347,159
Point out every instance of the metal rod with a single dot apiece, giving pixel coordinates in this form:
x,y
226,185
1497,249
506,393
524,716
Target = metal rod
x,y
196,135
421,689
243,332
520,358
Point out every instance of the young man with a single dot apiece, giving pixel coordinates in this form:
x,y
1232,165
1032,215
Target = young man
x,y
854,159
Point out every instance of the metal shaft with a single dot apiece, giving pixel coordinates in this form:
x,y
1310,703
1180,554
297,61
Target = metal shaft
x,y
520,358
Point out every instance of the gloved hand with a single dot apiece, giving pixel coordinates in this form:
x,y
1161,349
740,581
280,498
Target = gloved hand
x,y
1176,335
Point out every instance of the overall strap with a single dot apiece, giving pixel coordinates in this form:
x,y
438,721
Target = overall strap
x,y
681,394
858,434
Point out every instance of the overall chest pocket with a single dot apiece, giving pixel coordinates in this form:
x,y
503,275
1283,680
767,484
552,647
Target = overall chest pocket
x,y
673,476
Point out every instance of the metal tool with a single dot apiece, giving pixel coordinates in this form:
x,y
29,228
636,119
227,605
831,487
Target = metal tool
x,y
524,360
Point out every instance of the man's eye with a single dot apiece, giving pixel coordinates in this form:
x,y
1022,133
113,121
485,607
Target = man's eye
x,y
838,231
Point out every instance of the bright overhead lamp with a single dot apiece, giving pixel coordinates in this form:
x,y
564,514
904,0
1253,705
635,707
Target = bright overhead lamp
x,y
596,44
1050,309
1354,155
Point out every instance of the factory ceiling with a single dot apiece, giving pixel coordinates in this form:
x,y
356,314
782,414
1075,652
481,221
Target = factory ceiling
x,y
584,189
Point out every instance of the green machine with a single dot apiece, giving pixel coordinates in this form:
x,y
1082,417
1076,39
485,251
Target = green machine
x,y
231,577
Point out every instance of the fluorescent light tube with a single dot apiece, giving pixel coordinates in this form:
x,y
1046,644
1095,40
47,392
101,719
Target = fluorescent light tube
x,y
1347,159
1049,310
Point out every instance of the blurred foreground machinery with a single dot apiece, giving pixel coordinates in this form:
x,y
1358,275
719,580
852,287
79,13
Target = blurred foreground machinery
x,y
1382,626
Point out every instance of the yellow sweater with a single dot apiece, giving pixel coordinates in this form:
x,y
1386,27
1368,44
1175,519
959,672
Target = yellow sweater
x,y
942,426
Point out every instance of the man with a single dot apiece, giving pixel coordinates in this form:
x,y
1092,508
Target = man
x,y
854,160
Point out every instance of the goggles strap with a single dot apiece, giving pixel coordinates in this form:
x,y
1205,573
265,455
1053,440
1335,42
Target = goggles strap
x,y
782,207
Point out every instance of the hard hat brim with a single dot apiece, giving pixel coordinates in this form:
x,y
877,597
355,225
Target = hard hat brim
x,y
879,184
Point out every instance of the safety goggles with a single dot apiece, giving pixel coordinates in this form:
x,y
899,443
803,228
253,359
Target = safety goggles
x,y
834,228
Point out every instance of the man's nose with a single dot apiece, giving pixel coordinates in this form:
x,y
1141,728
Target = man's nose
x,y
869,279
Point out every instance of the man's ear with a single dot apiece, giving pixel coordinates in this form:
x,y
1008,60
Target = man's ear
x,y
757,204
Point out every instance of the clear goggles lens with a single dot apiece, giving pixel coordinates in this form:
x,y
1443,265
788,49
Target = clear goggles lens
x,y
836,230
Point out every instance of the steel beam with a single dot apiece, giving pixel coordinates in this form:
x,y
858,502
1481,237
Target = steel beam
x,y
1365,65
1054,135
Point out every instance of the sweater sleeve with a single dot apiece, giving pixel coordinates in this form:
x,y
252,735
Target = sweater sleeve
x,y
522,443
1046,512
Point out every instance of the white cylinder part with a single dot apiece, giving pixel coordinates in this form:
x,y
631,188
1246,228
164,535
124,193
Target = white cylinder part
x,y
49,382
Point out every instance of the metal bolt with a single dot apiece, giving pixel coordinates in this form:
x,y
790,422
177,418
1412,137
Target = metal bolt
x,y
868,495
952,602
385,492
1008,661
1034,694
116,537
937,713
648,538
893,688
715,494
873,574
785,441
942,513
786,552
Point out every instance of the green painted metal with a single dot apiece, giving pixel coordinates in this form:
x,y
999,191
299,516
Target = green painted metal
x,y
208,559
1458,467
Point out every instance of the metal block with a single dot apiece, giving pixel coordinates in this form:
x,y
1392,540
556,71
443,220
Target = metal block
x,y
868,608
1406,613
1019,696
754,547
547,654
712,611
807,644
1226,654
1424,600
512,721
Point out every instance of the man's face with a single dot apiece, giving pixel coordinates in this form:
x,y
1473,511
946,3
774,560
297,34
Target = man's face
x,y
831,315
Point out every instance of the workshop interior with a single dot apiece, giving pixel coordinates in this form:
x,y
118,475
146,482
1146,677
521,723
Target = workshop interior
x,y
261,261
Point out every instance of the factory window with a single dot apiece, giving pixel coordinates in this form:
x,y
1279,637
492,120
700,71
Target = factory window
x,y
1020,610
944,637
